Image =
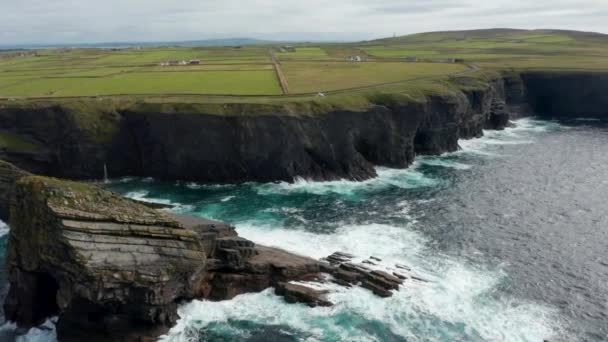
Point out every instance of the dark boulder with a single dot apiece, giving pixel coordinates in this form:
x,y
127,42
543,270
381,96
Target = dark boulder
x,y
294,293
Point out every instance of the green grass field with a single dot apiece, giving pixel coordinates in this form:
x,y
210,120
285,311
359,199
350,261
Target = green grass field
x,y
500,48
397,52
308,77
262,82
249,70
304,52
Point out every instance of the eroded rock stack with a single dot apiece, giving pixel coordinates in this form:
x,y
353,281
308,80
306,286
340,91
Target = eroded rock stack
x,y
114,269
101,262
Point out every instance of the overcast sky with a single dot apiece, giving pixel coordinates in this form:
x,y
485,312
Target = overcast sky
x,y
80,21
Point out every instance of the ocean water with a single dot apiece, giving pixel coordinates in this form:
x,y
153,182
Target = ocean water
x,y
510,232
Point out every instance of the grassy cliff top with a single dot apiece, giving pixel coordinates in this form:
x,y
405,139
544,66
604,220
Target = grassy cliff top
x,y
311,79
74,200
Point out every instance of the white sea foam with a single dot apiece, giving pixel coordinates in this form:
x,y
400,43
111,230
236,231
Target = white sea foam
x,y
404,211
4,229
522,132
285,210
144,196
121,180
360,240
45,332
139,195
458,301
409,178
196,186
443,162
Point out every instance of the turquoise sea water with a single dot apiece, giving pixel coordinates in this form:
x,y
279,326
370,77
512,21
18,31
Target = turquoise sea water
x,y
465,221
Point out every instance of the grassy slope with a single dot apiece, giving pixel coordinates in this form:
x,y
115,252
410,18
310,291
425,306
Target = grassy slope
x,y
502,48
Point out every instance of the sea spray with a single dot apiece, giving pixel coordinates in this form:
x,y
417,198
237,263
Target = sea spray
x,y
457,302
522,132
401,178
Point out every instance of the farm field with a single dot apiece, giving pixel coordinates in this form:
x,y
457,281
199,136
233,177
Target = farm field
x,y
305,71
261,82
307,77
304,52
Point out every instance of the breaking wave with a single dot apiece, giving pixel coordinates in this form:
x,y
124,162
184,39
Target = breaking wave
x,y
457,303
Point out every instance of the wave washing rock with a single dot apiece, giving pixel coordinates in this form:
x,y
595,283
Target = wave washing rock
x,y
114,269
346,273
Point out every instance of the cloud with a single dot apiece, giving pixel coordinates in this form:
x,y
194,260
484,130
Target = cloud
x,y
63,21
412,7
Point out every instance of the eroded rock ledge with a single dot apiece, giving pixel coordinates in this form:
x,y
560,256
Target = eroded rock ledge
x,y
114,269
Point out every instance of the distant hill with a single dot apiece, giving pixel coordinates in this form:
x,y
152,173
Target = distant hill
x,y
118,45
494,33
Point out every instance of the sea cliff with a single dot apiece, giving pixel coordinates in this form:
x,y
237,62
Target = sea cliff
x,y
189,144
265,143
113,268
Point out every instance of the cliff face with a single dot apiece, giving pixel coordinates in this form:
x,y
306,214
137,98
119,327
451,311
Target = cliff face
x,y
189,145
71,254
214,148
266,148
567,95
71,142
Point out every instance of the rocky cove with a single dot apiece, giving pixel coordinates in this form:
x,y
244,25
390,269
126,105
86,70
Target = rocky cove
x,y
175,258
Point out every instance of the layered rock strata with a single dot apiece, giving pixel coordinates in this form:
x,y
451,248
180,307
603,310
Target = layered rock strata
x,y
114,269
